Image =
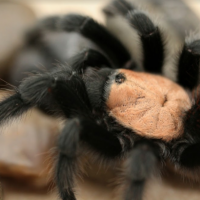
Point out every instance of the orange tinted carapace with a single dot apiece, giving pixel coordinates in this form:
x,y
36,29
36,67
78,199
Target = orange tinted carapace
x,y
150,105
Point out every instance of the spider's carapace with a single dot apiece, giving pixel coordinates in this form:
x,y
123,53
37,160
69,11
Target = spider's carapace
x,y
151,105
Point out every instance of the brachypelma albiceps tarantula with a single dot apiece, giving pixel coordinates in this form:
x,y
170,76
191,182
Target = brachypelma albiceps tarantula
x,y
112,107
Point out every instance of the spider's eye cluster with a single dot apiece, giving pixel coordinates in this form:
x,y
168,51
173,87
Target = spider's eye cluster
x,y
120,78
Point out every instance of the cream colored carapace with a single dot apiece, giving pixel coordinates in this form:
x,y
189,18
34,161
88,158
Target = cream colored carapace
x,y
151,105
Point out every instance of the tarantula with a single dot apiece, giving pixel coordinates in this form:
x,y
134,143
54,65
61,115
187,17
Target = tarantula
x,y
112,107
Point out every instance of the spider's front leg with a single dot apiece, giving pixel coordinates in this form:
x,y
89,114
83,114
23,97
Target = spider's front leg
x,y
141,161
63,92
46,90
185,149
140,165
88,28
57,93
86,131
142,37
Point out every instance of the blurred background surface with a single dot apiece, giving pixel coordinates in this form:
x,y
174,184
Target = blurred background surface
x,y
28,145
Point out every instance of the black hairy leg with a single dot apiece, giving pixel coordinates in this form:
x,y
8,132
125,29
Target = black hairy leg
x,y
12,107
57,93
63,92
188,65
86,131
33,36
60,92
88,57
186,149
66,166
141,164
99,35
153,47
120,6
88,28
94,68
152,41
